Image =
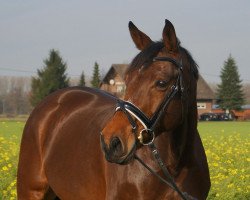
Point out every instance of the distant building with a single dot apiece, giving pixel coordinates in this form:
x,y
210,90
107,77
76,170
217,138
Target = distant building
x,y
113,82
205,96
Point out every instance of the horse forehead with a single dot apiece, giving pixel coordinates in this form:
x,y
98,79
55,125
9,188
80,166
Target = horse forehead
x,y
155,70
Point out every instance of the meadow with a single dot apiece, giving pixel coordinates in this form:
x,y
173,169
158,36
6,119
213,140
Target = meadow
x,y
227,147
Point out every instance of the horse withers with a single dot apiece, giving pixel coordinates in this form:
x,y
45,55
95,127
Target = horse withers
x,y
63,156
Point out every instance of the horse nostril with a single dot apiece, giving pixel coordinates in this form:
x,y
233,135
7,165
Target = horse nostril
x,y
116,146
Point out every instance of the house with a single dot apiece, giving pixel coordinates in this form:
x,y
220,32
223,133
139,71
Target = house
x,y
205,96
113,82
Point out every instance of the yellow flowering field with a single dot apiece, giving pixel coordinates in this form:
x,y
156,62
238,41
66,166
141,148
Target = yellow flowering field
x,y
10,134
227,147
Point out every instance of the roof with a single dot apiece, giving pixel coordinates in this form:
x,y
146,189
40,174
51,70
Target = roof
x,y
203,89
120,69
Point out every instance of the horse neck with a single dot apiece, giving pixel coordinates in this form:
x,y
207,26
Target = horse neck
x,y
178,144
184,135
176,147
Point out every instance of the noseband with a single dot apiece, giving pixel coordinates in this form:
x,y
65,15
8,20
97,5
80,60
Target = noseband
x,y
149,125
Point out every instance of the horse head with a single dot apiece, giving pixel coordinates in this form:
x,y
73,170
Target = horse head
x,y
160,88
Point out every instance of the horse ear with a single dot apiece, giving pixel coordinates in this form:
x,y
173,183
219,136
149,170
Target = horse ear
x,y
169,37
140,39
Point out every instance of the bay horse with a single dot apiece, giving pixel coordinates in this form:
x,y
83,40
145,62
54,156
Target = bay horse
x,y
150,139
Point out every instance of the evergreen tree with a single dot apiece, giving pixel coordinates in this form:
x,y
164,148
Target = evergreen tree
x,y
96,76
230,93
82,80
51,78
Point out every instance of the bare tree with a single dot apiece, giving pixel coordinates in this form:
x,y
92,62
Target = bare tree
x,y
14,95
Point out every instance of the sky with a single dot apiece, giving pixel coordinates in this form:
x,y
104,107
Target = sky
x,y
85,32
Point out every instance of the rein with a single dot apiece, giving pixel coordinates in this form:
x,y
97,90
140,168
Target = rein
x,y
149,125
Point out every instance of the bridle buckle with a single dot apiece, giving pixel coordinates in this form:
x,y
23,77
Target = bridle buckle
x,y
146,137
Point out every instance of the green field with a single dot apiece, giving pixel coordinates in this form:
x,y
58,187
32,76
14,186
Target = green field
x,y
226,143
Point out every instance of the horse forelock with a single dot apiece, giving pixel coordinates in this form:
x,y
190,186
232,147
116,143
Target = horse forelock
x,y
145,56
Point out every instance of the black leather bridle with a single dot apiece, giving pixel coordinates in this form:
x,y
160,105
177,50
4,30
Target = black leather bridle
x,y
133,113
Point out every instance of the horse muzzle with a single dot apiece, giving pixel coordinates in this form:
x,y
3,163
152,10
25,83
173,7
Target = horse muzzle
x,y
115,152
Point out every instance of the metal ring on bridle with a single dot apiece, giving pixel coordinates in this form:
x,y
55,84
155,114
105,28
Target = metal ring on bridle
x,y
149,134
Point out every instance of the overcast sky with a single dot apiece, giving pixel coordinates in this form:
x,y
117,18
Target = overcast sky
x,y
97,30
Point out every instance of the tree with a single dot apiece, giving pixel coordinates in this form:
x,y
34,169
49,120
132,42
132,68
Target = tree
x,y
230,92
51,78
96,76
82,80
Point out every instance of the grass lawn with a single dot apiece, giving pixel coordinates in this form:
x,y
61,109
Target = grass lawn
x,y
227,147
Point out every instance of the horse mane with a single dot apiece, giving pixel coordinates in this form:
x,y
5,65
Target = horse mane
x,y
194,66
145,58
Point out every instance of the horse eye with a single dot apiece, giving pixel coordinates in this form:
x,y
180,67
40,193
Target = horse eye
x,y
161,84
